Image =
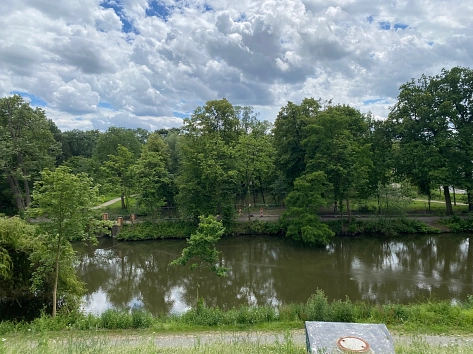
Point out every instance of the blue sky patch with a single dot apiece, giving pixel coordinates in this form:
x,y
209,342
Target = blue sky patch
x,y
105,105
241,18
431,43
35,101
207,8
372,101
400,26
370,19
385,25
158,9
127,26
180,115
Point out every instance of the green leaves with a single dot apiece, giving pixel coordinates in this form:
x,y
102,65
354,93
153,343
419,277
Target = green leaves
x,y
303,203
26,146
67,201
201,247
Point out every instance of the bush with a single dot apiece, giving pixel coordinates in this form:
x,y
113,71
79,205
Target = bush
x,y
141,319
115,319
342,311
457,224
317,307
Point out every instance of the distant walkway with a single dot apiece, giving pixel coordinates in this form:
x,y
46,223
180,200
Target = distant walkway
x,y
110,202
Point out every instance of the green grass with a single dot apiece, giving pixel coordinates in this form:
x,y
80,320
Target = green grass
x,y
428,317
143,345
150,343
435,208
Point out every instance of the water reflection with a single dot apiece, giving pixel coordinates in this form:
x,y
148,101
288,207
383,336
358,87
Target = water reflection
x,y
270,271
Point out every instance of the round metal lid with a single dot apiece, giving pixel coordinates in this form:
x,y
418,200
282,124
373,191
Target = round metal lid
x,y
351,344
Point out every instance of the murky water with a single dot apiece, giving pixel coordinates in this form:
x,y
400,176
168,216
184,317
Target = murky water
x,y
270,271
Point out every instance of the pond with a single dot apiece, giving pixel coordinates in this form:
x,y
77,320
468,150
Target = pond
x,y
266,270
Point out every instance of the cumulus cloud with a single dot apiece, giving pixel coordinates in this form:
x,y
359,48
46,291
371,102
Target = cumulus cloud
x,y
148,63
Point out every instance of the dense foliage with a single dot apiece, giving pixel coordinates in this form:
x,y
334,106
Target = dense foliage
x,y
224,161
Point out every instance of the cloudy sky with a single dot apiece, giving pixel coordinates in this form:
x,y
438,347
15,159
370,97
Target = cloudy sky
x,y
149,63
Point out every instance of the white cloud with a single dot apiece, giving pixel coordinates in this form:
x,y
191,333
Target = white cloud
x,y
78,55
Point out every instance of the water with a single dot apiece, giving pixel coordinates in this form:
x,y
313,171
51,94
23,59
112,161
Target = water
x,y
272,271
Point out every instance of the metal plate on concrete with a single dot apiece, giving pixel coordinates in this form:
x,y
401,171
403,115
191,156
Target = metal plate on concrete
x,y
339,337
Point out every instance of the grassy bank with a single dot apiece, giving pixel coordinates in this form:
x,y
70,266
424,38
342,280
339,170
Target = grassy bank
x,y
150,344
180,229
428,317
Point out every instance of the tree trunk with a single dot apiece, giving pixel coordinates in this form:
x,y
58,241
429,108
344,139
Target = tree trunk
x,y
27,193
470,200
56,277
454,197
341,215
348,210
429,197
15,188
448,201
122,197
335,207
379,204
262,193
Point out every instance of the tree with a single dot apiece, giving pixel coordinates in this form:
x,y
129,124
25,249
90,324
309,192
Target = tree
x,y
255,155
79,143
201,247
17,242
338,145
289,132
301,219
119,169
108,142
425,136
26,147
208,175
154,182
67,201
455,94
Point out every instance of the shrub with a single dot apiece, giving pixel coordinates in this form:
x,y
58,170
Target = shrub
x,y
317,307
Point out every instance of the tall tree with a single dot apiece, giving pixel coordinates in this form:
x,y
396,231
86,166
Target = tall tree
x,y
208,177
154,182
255,155
289,132
455,94
67,201
119,170
425,137
79,143
27,146
108,142
338,145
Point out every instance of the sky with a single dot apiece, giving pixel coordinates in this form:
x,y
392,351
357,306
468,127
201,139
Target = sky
x,y
92,64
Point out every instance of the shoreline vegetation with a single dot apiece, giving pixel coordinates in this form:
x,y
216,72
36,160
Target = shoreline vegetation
x,y
377,226
84,332
429,317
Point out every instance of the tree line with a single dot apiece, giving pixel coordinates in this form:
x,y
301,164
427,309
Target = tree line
x,y
316,153
224,155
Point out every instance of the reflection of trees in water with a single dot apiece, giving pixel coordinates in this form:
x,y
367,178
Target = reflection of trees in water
x,y
270,271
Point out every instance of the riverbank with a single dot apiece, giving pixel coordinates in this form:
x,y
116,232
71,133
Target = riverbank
x,y
376,226
430,317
